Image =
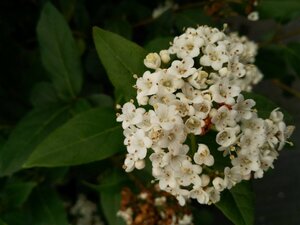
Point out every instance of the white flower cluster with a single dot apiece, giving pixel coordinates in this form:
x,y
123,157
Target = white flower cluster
x,y
86,212
196,92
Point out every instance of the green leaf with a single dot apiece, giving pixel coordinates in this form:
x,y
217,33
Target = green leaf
x,y
265,106
101,100
111,196
47,208
278,9
275,66
44,94
30,131
89,136
59,53
238,204
15,193
292,54
158,44
2,222
191,18
121,59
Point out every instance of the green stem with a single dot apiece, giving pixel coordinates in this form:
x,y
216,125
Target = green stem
x,y
193,143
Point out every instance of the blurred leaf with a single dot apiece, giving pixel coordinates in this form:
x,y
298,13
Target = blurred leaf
x,y
59,53
47,208
270,61
119,26
2,222
238,204
292,54
110,197
101,100
17,217
30,131
121,59
15,193
278,9
191,18
90,136
43,94
67,7
158,44
112,179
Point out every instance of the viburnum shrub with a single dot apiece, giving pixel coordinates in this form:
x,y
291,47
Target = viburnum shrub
x,y
193,88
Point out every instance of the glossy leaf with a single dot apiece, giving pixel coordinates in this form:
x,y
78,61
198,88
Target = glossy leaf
x,y
15,193
90,136
59,52
47,208
30,131
121,59
238,204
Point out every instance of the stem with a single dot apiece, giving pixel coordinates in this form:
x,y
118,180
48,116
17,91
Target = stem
x,y
286,88
193,143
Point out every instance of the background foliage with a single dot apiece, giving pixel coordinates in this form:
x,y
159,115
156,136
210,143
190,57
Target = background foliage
x,y
58,135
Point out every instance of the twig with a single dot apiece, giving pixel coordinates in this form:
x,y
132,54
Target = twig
x,y
286,88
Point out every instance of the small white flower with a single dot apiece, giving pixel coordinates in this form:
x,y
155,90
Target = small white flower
x,y
165,56
188,45
186,220
194,125
201,195
170,83
214,56
253,16
167,116
243,108
218,183
183,68
138,143
227,137
203,156
198,79
152,61
223,92
224,117
232,176
130,115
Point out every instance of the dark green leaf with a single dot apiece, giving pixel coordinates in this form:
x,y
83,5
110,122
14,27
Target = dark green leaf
x,y
2,222
121,59
238,204
111,196
43,94
90,136
47,208
265,106
191,18
120,26
292,54
278,9
101,100
15,193
158,44
59,53
270,61
30,131
17,217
